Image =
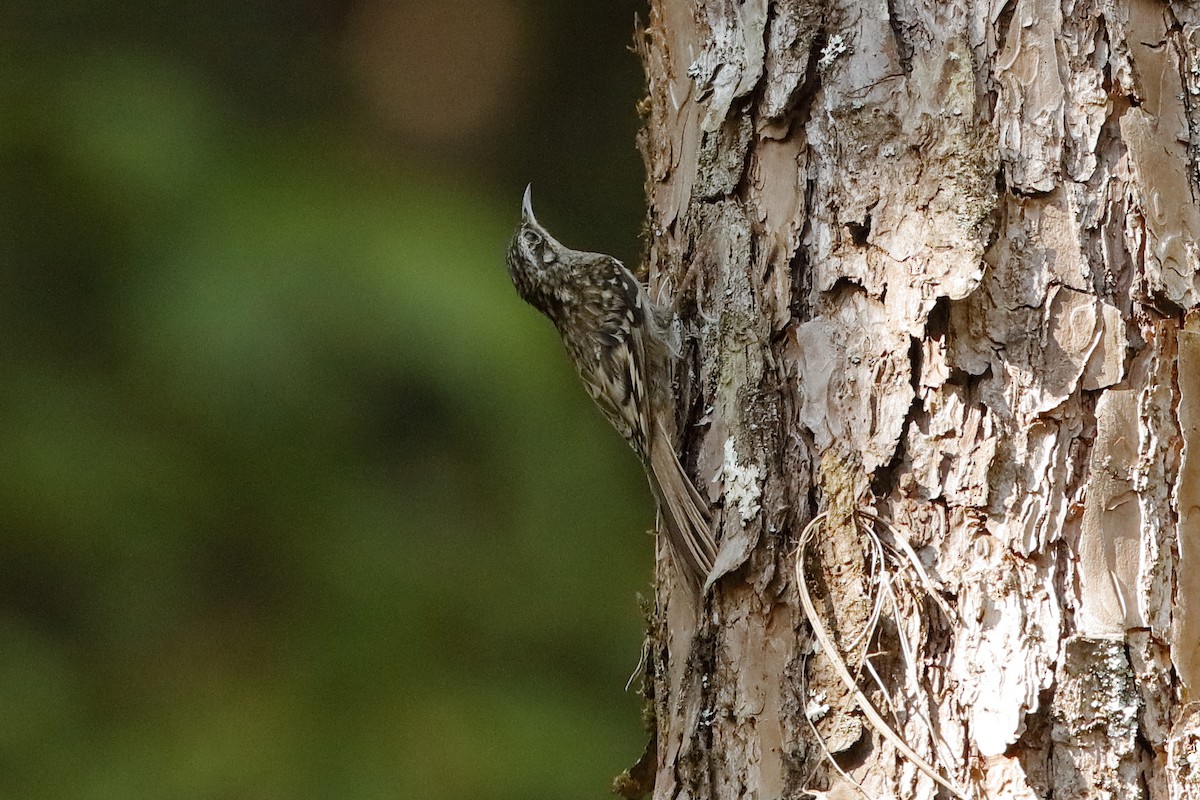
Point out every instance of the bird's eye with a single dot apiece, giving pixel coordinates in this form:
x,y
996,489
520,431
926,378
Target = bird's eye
x,y
532,239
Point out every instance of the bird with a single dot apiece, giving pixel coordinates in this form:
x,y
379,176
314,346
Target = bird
x,y
616,336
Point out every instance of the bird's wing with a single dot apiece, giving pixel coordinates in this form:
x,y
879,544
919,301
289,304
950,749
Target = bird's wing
x,y
613,365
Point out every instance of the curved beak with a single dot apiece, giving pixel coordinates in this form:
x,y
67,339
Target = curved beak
x,y
527,206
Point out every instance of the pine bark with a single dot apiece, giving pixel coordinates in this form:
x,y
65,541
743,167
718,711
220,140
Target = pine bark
x,y
937,261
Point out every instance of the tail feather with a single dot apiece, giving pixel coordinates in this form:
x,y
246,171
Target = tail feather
x,y
683,509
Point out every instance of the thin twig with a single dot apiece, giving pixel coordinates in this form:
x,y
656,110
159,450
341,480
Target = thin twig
x,y
839,666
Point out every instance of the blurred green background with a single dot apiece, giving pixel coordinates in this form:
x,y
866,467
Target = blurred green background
x,y
297,500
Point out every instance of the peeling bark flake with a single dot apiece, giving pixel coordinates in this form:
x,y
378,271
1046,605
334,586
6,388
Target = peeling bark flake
x,y
1109,545
1185,640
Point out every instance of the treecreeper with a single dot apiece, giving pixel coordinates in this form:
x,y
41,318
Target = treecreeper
x,y
617,338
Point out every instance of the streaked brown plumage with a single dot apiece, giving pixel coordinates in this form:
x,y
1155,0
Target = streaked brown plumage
x,y
615,336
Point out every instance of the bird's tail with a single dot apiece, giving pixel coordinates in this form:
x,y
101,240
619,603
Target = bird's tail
x,y
684,512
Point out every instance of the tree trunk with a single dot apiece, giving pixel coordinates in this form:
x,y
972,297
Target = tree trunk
x,y
935,261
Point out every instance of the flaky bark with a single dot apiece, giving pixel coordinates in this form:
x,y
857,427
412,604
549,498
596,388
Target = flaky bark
x,y
935,260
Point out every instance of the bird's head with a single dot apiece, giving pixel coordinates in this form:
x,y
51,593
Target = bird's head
x,y
532,255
